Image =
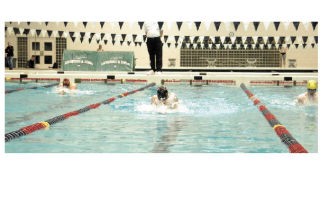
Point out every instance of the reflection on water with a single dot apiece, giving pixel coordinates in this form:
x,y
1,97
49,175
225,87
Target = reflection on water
x,y
169,137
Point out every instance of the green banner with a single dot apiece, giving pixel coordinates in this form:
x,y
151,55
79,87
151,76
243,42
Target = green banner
x,y
79,60
116,61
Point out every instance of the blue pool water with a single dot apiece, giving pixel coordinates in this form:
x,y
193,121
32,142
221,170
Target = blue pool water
x,y
211,119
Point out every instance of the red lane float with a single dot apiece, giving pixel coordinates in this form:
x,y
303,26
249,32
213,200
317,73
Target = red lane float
x,y
45,124
285,136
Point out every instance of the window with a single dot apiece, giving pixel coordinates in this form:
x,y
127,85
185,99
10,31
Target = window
x,y
37,59
48,59
35,45
48,46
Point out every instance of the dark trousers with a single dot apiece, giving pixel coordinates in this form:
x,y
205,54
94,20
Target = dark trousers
x,y
155,53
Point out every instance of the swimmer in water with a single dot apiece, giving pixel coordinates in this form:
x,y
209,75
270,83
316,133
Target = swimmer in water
x,y
66,85
311,96
163,98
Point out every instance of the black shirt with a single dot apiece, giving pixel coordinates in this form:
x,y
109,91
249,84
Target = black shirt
x,y
9,51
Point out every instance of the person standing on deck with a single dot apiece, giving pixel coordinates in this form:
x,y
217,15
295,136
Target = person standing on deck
x,y
154,46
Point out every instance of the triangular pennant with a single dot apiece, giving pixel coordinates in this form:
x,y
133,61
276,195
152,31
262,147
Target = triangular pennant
x,y
160,23
276,25
245,25
16,30
90,39
85,24
176,38
134,36
255,39
46,23
197,25
91,35
65,23
101,24
312,45
297,45
82,34
256,25
98,41
120,24
49,33
270,40
266,24
81,39
314,24
196,38
71,34
123,36
128,42
281,39
236,25
5,29
217,25
113,41
38,32
227,26
286,25
141,24
176,45
305,39
233,39
304,45
73,38
121,42
293,38
316,39
169,44
113,36
26,31
140,43
144,38
165,38
102,35
60,33
296,24
105,42
288,46
238,40
179,24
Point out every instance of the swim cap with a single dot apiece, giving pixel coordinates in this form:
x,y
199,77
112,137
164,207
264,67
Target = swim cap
x,y
162,93
312,84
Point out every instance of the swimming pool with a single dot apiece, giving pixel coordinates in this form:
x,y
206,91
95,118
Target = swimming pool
x,y
211,119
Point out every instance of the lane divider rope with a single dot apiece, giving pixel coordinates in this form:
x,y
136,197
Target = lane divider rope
x,y
16,90
286,138
46,124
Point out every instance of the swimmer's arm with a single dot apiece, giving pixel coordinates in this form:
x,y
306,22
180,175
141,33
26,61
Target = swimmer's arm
x,y
300,99
74,86
153,100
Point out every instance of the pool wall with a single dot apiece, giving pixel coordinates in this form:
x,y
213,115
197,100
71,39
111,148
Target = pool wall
x,y
193,77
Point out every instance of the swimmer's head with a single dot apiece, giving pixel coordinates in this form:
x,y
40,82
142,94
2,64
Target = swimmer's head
x,y
312,85
66,83
162,93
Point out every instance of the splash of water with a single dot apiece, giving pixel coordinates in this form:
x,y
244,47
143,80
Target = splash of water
x,y
161,109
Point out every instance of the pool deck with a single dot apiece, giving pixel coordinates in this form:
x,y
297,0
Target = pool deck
x,y
251,76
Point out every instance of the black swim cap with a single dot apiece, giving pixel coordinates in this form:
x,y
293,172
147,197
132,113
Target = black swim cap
x,y
162,93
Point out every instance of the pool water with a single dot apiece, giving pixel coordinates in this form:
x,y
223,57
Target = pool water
x,y
210,119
